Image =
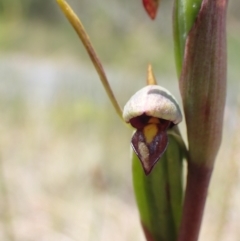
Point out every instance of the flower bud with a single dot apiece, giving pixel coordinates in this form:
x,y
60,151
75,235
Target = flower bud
x,y
203,82
151,6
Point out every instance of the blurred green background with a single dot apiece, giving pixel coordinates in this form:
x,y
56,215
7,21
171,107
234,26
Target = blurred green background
x,y
65,170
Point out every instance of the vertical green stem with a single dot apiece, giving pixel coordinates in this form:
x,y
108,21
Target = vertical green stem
x,y
159,195
185,13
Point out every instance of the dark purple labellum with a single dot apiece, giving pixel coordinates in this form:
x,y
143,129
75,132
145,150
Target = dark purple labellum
x,y
149,152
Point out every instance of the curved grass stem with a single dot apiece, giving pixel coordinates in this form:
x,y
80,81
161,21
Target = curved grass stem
x,y
77,25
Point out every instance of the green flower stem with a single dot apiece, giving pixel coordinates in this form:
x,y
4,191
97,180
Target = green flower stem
x,y
185,13
159,195
174,155
151,194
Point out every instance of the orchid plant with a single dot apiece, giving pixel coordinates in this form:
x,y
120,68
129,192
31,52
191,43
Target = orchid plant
x,y
168,210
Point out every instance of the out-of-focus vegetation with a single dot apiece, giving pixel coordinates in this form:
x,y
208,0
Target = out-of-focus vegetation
x,y
64,154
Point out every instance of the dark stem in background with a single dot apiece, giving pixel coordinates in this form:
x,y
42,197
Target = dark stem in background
x,y
203,90
198,181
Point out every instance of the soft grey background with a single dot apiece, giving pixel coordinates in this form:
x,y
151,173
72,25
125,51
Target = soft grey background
x,y
64,153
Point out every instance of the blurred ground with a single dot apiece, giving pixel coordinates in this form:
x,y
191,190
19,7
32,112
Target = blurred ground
x,y
64,154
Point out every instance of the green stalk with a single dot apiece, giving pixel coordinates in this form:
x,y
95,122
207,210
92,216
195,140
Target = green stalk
x,y
185,13
159,195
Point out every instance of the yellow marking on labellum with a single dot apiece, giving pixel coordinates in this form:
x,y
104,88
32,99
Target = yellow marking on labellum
x,y
149,132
